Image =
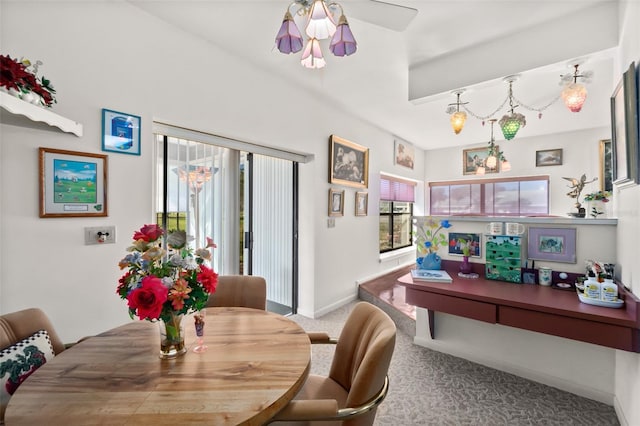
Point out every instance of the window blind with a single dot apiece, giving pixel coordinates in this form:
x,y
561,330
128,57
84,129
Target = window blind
x,y
394,189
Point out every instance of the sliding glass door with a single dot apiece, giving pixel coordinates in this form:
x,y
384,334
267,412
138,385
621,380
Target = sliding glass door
x,y
245,202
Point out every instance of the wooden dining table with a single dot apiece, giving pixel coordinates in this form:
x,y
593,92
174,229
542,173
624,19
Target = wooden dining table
x,y
255,363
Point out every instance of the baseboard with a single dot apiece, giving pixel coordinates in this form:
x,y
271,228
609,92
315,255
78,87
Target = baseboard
x,y
333,306
520,371
387,272
621,417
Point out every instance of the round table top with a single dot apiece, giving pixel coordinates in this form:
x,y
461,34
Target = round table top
x,y
255,363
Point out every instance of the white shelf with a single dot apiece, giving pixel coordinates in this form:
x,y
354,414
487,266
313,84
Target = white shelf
x,y
20,109
547,220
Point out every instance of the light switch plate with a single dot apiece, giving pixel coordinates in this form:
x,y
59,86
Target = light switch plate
x,y
99,235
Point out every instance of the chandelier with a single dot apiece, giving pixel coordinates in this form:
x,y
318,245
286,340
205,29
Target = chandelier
x,y
494,156
458,118
511,123
320,25
574,94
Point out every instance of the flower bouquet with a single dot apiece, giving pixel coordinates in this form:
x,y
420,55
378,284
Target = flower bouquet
x,y
165,284
428,240
20,79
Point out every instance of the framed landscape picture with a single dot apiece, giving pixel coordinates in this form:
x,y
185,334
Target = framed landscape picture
x,y
457,240
348,163
549,157
552,244
72,184
477,157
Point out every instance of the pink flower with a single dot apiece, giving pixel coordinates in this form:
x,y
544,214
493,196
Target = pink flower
x,y
208,278
147,300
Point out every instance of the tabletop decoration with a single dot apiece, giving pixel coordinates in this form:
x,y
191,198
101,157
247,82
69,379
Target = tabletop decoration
x,y
465,245
428,240
162,285
596,202
19,78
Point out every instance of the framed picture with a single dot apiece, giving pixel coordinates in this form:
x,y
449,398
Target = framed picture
x,y
336,202
72,184
624,128
404,153
457,239
349,163
606,165
552,244
549,157
120,132
477,157
362,202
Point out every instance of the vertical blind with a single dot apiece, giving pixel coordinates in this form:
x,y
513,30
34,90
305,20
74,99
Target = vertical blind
x,y
395,189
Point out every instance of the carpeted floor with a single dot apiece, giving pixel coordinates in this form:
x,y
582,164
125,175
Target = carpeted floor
x,y
432,388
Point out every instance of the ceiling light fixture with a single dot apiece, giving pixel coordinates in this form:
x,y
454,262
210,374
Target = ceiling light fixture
x,y
320,26
511,123
574,94
494,156
458,118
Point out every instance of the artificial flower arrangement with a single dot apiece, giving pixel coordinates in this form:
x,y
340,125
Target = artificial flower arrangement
x,y
429,239
19,77
159,284
598,196
166,284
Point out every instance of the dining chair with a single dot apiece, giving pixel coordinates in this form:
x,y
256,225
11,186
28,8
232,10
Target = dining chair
x,y
18,325
357,382
246,291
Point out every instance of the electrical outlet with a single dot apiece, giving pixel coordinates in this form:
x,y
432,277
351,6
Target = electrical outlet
x,y
331,223
99,235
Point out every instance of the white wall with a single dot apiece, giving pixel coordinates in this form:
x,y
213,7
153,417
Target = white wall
x,y
627,383
112,55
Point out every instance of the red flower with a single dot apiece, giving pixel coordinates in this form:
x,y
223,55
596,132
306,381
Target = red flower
x,y
148,233
208,278
12,72
148,299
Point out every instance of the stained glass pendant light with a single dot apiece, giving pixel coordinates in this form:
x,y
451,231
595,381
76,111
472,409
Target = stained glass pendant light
x,y
494,156
320,25
574,93
512,122
458,118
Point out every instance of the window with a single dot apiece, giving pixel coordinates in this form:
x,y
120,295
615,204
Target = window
x,y
396,209
521,196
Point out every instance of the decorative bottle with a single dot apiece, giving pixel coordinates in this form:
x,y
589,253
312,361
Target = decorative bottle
x,y
592,288
609,290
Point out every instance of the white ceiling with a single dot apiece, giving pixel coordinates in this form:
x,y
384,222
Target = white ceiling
x,y
402,80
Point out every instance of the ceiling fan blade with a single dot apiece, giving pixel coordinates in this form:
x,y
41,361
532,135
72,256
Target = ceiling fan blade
x,y
386,15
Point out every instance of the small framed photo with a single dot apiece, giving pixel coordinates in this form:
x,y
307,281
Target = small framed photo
x,y
458,240
404,154
72,184
549,157
348,163
362,202
120,132
336,202
477,157
552,244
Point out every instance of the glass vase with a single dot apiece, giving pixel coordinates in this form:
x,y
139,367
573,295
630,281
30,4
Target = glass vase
x,y
172,336
465,267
